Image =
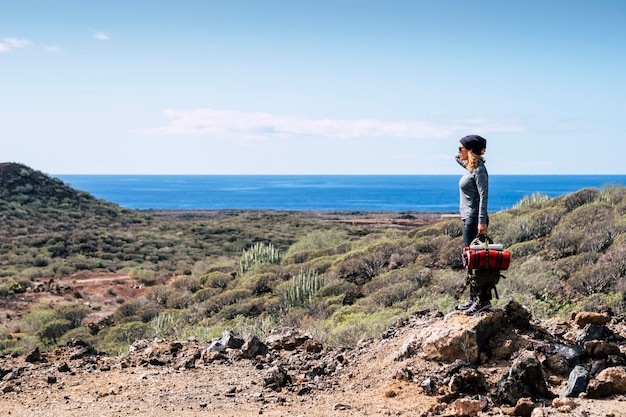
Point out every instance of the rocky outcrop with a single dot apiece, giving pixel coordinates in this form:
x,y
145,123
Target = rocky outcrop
x,y
541,355
498,359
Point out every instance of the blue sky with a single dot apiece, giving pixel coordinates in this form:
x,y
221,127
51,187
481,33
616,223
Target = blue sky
x,y
312,87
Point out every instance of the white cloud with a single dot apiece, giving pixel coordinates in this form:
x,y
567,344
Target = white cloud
x,y
241,125
7,44
101,36
16,43
52,48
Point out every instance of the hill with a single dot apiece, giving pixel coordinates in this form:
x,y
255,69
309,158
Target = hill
x,y
33,203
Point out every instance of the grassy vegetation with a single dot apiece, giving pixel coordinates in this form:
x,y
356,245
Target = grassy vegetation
x,y
250,271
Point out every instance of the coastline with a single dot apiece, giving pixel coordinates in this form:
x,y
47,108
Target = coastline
x,y
371,219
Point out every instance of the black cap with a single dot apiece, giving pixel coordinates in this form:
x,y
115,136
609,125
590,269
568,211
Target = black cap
x,y
474,143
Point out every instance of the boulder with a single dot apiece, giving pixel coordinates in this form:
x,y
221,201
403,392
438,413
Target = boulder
x,y
286,338
461,337
253,347
585,317
276,377
577,382
468,406
524,407
524,379
610,381
230,340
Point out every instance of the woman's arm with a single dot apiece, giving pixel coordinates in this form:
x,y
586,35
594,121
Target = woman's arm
x,y
482,185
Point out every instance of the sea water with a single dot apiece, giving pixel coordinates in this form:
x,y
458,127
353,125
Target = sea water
x,y
431,193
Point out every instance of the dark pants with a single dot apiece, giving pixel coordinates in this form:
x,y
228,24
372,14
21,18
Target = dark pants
x,y
470,232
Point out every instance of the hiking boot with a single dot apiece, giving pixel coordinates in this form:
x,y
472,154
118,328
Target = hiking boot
x,y
477,307
465,305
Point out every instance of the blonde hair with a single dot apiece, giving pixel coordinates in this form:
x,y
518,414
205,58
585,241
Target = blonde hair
x,y
473,160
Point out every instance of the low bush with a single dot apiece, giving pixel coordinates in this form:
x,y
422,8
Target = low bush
x,y
391,295
360,267
225,298
577,199
53,330
116,340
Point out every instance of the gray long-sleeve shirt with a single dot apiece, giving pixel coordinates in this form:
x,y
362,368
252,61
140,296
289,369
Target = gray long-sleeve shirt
x,y
474,192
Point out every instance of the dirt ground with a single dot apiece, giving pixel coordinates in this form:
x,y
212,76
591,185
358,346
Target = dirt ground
x,y
368,382
367,386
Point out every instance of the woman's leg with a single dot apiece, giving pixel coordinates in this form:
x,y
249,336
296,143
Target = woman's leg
x,y
470,231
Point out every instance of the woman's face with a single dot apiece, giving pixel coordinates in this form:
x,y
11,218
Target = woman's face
x,y
463,152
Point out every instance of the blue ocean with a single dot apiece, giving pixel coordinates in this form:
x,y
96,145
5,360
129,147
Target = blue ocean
x,y
421,193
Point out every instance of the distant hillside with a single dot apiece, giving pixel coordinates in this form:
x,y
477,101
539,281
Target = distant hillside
x,y
33,202
23,185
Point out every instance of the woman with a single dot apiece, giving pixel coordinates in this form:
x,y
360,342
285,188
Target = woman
x,y
474,193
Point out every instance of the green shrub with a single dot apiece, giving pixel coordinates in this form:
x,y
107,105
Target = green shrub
x,y
7,343
186,283
310,255
600,277
52,330
303,287
429,244
205,293
577,199
40,261
598,236
78,333
180,300
147,277
228,297
447,282
339,288
450,254
250,307
534,201
449,228
18,287
416,274
612,194
360,267
136,310
612,301
393,294
38,317
524,249
217,279
258,254
532,277
348,335
544,220
159,294
262,283
117,339
317,239
566,267
563,242
355,326
260,326
169,325
74,313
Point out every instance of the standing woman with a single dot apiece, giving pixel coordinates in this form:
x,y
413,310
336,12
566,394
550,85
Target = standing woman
x,y
474,193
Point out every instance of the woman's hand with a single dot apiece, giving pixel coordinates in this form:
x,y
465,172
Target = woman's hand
x,y
482,229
